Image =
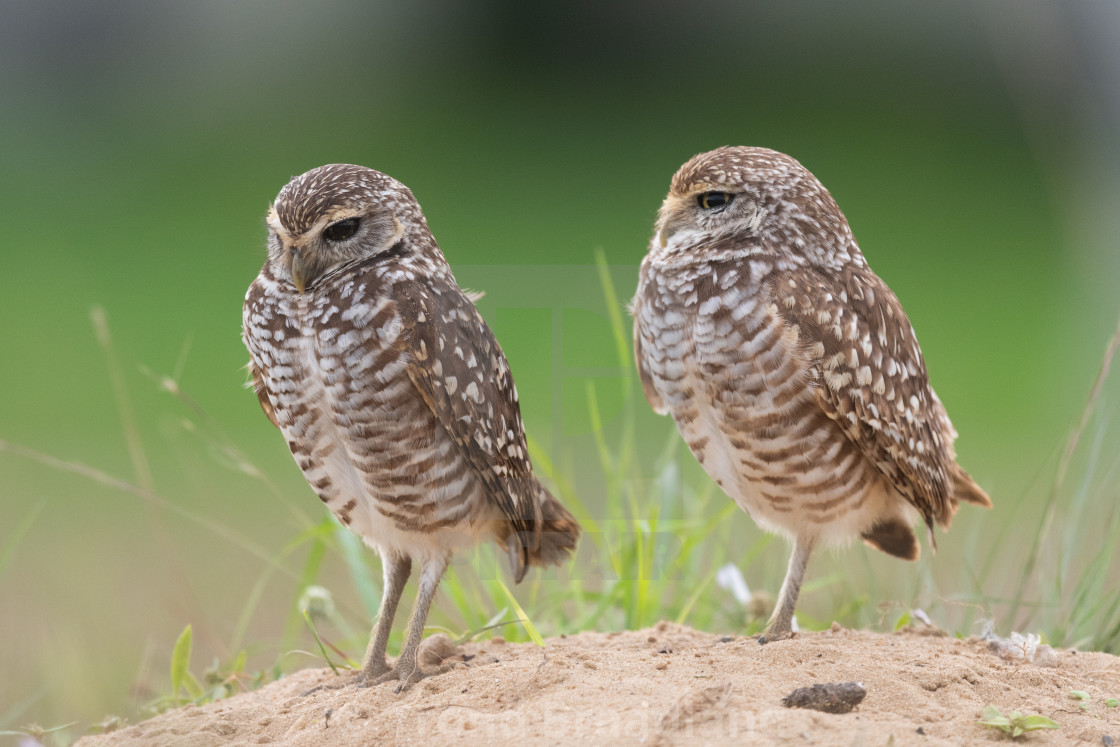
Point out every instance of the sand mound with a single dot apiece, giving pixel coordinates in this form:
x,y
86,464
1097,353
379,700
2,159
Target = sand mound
x,y
668,685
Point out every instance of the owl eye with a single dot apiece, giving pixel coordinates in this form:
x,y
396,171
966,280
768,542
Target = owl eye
x,y
341,230
714,200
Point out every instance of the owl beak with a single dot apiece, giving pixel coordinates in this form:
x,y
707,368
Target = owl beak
x,y
299,271
675,215
668,228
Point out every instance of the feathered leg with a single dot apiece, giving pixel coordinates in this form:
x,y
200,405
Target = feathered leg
x,y
406,669
781,622
397,569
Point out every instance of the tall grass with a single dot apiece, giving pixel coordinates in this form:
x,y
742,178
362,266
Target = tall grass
x,y
1083,599
650,552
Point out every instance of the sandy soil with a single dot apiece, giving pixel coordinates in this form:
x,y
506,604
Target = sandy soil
x,y
671,685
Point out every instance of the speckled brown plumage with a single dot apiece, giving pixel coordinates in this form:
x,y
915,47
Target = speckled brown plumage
x,y
789,367
394,397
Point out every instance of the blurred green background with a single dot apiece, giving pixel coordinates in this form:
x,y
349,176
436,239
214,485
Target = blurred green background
x,y
972,145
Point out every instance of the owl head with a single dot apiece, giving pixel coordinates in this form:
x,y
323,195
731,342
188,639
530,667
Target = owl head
x,y
334,215
752,200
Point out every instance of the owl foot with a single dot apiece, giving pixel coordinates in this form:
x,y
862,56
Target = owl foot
x,y
338,683
768,637
369,675
406,678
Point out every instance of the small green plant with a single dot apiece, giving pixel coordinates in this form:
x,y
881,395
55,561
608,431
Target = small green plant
x,y
1015,723
317,603
218,682
181,677
1084,700
35,731
109,724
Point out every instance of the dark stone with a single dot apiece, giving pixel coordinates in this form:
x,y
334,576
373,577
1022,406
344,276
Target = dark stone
x,y
833,697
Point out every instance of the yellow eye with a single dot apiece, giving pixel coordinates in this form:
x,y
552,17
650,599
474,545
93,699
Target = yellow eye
x,y
714,200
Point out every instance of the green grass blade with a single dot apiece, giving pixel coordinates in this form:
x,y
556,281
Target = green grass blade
x,y
140,465
605,458
686,608
17,534
150,497
1063,465
193,686
180,660
521,616
456,588
322,648
17,710
614,313
361,575
308,576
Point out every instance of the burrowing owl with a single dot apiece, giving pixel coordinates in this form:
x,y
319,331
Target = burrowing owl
x,y
394,397
789,367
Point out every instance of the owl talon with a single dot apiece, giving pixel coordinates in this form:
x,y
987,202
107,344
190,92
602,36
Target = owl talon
x,y
404,680
336,684
370,673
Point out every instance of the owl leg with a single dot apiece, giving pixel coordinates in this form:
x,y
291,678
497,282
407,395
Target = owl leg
x,y
397,569
407,670
781,622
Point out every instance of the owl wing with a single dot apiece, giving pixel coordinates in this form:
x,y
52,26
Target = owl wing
x,y
461,373
256,314
642,297
261,388
652,395
870,378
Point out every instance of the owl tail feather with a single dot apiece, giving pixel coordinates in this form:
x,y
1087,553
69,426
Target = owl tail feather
x,y
559,532
551,543
966,489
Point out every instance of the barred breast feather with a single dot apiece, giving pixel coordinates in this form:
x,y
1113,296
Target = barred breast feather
x,y
399,408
